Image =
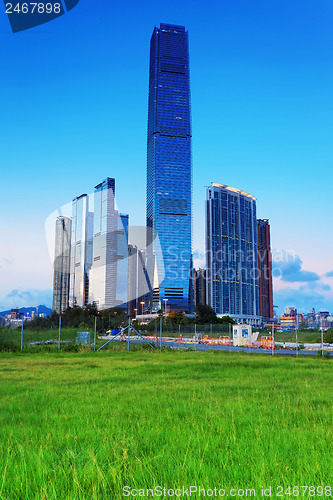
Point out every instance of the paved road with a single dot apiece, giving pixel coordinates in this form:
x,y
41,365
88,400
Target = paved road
x,y
205,347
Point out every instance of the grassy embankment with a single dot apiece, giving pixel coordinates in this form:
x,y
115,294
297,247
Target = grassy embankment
x,y
81,426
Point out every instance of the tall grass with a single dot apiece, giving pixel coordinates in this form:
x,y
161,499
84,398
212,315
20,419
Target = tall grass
x,y
82,426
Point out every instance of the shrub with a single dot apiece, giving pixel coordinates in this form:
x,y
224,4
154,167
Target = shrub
x,y
328,336
70,347
325,354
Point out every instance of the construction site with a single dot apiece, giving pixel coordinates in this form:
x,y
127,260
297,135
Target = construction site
x,y
241,338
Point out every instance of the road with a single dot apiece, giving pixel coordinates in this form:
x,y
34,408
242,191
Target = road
x,y
186,343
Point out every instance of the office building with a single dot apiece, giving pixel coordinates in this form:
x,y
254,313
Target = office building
x,y
81,251
232,254
265,270
61,264
109,272
169,169
103,274
138,288
199,286
122,260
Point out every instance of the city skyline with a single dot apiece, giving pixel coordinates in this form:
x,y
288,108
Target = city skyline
x,y
268,133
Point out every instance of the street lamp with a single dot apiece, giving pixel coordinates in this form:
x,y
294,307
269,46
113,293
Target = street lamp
x,y
142,304
322,336
165,310
165,305
135,311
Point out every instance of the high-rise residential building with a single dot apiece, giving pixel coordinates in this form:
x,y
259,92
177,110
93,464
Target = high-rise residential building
x,y
312,318
103,274
169,169
199,286
232,253
288,320
265,270
61,264
81,251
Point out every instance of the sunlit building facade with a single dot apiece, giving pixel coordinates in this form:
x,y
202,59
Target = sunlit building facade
x,y
288,320
169,169
232,253
81,251
109,272
103,274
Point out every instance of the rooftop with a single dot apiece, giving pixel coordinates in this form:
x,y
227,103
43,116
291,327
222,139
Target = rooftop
x,y
235,190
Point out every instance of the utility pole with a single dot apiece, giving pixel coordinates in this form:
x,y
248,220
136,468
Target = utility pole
x,y
22,333
129,333
296,334
195,336
59,341
95,333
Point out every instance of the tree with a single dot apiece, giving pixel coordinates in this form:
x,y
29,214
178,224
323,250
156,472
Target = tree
x,y
205,314
328,336
226,319
176,317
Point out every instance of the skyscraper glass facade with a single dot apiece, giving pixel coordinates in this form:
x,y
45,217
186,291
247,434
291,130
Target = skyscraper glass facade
x,y
109,273
265,269
232,253
169,168
61,264
81,251
103,275
122,260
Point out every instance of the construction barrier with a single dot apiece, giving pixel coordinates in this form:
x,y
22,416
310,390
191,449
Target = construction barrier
x,y
220,341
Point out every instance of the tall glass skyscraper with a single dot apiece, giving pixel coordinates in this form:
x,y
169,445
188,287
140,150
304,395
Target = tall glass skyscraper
x,y
232,253
61,264
103,275
109,273
81,251
169,169
122,260
265,270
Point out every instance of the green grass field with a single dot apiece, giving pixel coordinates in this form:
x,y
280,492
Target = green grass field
x,y
83,425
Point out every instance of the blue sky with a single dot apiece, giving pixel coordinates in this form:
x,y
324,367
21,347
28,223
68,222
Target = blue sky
x,y
74,111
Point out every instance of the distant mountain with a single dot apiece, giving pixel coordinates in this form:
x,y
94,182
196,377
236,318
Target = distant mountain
x,y
41,310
